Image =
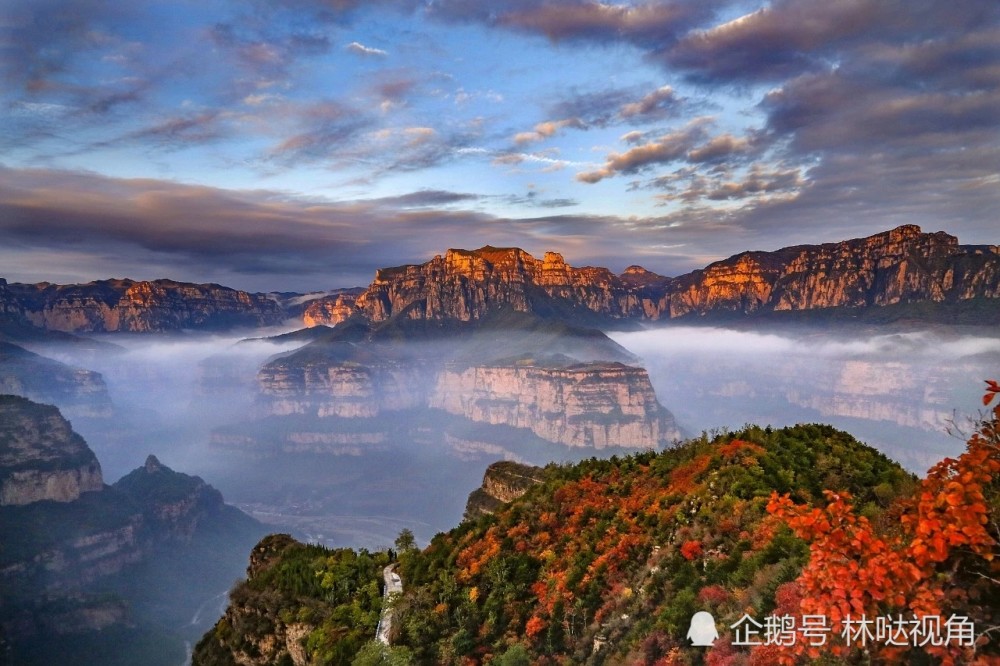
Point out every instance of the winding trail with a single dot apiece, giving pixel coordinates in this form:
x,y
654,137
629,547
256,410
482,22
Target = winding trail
x,y
393,588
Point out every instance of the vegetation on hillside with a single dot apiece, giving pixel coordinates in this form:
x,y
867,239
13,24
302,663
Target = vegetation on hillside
x,y
607,561
325,602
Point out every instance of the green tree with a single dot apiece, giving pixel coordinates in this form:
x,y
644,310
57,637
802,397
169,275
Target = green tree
x,y
405,541
378,654
516,655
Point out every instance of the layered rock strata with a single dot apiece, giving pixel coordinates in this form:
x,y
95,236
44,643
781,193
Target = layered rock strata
x,y
903,265
77,391
503,482
594,405
41,458
137,306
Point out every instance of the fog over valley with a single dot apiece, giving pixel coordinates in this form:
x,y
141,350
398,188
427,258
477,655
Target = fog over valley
x,y
197,402
900,392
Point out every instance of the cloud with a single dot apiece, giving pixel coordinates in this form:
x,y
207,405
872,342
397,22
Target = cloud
x,y
641,23
534,199
668,148
791,37
323,129
548,159
548,129
657,104
360,49
719,148
426,199
760,183
268,48
84,226
46,41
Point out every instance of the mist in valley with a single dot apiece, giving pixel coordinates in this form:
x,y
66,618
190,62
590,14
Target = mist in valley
x,y
195,401
900,392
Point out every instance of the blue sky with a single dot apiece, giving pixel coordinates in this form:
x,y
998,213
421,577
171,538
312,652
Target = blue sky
x,y
300,144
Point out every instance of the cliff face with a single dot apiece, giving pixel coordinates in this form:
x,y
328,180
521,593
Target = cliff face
x,y
330,310
899,266
173,504
593,405
348,390
503,482
465,285
41,458
77,391
80,555
138,307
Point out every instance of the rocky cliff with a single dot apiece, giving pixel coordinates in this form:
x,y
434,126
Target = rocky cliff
x,y
76,391
342,389
330,310
592,405
565,384
467,285
137,307
76,539
903,265
503,482
41,458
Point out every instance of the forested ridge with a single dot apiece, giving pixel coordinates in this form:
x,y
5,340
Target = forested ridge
x,y
606,561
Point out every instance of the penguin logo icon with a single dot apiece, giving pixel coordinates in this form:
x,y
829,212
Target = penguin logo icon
x,y
702,632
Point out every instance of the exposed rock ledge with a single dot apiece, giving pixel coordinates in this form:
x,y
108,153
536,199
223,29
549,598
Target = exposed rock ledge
x,y
41,458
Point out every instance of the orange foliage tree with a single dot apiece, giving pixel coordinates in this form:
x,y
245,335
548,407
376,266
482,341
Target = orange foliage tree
x,y
937,569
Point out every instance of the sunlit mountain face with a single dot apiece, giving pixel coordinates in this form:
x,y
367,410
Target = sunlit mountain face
x,y
314,268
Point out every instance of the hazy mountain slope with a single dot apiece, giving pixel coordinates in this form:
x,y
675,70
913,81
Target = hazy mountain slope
x,y
103,574
137,306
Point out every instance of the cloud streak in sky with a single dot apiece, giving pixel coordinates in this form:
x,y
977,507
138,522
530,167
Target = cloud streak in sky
x,y
263,240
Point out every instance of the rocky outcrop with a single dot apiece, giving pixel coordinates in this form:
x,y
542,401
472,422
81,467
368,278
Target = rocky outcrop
x,y
174,504
503,482
467,285
903,265
592,405
346,390
76,391
330,310
138,307
41,458
83,554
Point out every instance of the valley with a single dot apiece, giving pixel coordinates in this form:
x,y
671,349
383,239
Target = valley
x,y
383,415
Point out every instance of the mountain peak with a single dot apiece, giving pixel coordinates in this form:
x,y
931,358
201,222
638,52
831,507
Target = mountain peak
x,y
153,464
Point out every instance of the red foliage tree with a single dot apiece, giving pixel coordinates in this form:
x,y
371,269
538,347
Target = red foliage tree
x,y
942,562
691,550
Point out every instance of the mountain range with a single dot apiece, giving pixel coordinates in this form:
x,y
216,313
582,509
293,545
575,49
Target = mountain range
x,y
896,268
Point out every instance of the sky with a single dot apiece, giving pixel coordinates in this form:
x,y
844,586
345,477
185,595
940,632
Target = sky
x,y
301,144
